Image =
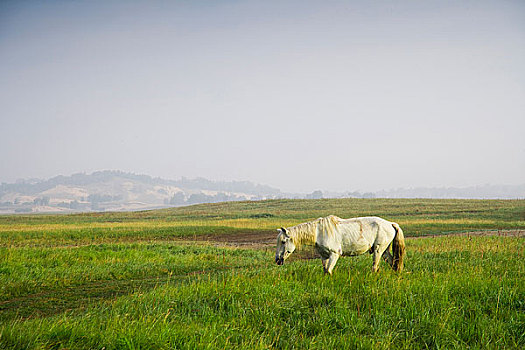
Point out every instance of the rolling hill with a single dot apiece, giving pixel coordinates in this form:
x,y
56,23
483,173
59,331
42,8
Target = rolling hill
x,y
118,191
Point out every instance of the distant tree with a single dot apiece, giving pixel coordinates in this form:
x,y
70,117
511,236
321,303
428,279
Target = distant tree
x,y
200,198
223,197
177,199
41,201
315,195
354,194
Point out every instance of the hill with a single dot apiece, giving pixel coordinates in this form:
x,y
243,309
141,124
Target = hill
x,y
111,190
118,191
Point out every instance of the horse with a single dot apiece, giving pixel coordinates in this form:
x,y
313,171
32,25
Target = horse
x,y
334,237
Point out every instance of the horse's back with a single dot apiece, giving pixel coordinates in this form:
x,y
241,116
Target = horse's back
x,y
370,229
370,220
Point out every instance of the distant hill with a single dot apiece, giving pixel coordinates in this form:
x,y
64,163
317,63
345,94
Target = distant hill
x,y
117,190
473,192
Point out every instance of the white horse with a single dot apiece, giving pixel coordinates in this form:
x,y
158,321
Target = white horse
x,y
334,237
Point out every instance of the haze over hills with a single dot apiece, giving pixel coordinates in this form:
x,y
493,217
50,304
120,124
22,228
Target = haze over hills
x,y
117,191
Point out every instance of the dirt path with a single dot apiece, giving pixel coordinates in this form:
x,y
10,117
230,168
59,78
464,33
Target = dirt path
x,y
252,240
502,233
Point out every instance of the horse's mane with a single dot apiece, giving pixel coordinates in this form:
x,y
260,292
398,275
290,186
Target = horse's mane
x,y
306,233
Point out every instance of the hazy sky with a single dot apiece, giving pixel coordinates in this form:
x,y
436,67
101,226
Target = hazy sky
x,y
301,95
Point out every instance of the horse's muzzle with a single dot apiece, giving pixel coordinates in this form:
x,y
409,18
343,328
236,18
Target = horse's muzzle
x,y
279,261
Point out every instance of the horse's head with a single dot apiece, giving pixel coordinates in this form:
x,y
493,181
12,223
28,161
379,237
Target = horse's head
x,y
285,246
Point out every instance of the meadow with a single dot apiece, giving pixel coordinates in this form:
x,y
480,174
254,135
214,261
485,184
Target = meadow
x,y
140,280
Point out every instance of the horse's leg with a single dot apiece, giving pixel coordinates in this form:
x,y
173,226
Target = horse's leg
x,y
325,255
378,252
332,260
387,256
375,260
325,264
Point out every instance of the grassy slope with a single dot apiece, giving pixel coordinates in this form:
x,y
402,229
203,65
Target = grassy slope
x,y
416,217
132,287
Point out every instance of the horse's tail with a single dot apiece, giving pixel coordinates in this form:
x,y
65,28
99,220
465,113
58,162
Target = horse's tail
x,y
398,248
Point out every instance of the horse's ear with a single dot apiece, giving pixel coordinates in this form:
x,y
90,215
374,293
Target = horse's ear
x,y
283,230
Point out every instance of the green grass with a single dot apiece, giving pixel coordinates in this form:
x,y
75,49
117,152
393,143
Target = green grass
x,y
120,281
456,292
30,277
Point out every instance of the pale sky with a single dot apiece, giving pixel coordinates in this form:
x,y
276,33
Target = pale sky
x,y
300,95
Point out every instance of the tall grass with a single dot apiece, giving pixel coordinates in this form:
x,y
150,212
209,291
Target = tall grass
x,y
29,276
457,292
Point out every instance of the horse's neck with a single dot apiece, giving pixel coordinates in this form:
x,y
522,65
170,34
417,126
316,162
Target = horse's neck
x,y
307,233
304,233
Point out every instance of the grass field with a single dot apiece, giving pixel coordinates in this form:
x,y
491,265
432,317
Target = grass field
x,y
138,281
